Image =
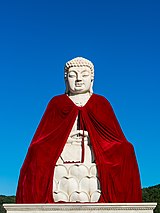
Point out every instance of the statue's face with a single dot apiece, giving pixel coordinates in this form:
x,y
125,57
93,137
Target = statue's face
x,y
79,79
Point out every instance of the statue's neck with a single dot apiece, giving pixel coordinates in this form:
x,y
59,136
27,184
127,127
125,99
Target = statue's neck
x,y
80,99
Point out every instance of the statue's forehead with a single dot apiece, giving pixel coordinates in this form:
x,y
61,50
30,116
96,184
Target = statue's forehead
x,y
79,69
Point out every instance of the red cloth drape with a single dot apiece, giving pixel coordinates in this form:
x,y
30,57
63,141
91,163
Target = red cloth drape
x,y
114,155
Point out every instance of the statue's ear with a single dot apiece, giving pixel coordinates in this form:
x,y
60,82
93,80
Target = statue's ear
x,y
67,89
91,87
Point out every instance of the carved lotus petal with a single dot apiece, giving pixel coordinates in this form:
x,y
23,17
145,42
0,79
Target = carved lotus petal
x,y
93,170
88,184
95,196
60,196
68,185
60,171
79,197
55,185
78,171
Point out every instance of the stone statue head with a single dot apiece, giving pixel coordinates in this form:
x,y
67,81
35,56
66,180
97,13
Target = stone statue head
x,y
79,76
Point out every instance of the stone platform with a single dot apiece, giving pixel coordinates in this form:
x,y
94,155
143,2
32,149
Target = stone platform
x,y
81,208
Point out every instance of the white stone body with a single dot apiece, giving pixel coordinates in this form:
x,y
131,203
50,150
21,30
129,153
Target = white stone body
x,y
75,181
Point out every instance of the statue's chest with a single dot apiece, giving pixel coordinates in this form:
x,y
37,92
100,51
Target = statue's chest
x,y
73,180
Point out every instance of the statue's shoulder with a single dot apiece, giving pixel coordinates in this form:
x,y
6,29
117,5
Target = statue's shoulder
x,y
56,100
101,99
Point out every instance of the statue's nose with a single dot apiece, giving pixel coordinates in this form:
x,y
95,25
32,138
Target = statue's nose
x,y
79,77
78,80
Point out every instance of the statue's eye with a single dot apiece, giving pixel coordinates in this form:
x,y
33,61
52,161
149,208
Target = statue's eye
x,y
71,74
85,74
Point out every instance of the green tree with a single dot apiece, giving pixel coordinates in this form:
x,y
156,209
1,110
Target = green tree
x,y
5,199
150,194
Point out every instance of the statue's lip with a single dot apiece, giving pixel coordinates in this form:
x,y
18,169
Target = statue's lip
x,y
79,84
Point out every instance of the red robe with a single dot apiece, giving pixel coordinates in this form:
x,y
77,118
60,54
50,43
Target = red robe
x,y
114,155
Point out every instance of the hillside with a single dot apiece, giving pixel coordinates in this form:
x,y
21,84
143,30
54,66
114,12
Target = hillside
x,y
150,194
5,199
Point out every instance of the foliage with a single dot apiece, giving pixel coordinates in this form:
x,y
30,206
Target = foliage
x,y
5,199
150,194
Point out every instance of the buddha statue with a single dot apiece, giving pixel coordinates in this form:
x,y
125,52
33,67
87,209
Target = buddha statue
x,y
79,152
75,176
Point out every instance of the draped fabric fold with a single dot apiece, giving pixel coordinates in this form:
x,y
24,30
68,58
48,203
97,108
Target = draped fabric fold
x,y
114,155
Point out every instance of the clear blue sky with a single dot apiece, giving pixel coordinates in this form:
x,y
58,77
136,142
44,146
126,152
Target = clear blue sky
x,y
122,39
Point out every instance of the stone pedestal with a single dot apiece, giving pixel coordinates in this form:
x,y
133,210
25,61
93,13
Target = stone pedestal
x,y
81,208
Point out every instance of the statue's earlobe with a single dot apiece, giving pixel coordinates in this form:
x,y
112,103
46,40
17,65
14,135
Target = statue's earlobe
x,y
67,89
91,87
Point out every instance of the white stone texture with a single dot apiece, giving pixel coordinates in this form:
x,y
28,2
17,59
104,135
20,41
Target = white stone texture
x,y
79,62
76,182
81,208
